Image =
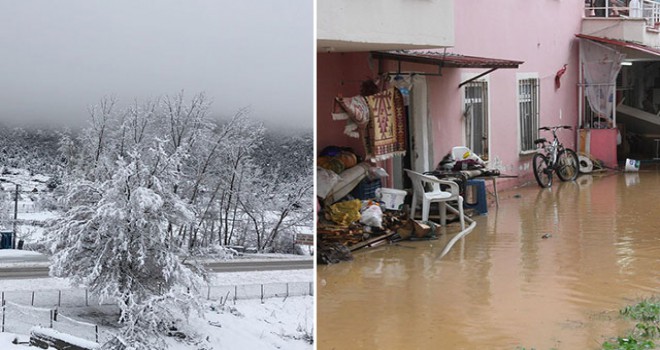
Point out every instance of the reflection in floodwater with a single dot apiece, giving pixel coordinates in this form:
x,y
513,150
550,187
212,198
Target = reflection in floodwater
x,y
505,286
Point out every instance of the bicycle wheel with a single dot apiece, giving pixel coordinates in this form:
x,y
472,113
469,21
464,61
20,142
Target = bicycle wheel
x,y
567,165
542,173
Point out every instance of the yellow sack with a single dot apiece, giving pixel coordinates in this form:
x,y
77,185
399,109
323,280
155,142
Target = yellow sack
x,y
345,213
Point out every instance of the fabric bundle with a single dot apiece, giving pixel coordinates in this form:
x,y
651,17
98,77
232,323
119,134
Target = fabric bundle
x,y
355,111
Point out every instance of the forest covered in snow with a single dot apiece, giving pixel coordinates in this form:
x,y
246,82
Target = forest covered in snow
x,y
244,184
142,191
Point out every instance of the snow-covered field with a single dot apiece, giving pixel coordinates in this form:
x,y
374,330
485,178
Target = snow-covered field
x,y
249,324
277,323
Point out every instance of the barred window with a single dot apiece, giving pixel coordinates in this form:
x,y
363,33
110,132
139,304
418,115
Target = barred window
x,y
476,117
528,109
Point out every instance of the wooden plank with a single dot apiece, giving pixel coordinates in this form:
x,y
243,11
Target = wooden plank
x,y
370,241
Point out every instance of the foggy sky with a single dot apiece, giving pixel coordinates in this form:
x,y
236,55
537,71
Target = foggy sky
x,y
57,58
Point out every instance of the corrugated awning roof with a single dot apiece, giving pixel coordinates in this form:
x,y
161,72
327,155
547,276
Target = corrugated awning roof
x,y
632,50
448,60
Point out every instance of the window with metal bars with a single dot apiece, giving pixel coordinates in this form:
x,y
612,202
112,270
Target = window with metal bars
x,y
476,117
528,110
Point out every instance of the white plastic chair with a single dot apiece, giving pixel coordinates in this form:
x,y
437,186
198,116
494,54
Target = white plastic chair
x,y
435,195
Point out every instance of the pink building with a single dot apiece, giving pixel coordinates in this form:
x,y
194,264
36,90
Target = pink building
x,y
497,71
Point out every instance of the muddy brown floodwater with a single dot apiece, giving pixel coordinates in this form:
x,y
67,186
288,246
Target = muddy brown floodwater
x,y
505,286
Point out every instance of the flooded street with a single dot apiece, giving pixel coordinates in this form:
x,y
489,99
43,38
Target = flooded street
x,y
505,286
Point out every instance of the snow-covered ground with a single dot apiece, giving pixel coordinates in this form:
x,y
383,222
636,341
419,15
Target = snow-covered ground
x,y
277,323
274,323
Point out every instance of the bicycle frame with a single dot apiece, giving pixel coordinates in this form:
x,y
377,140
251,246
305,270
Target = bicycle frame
x,y
547,160
553,148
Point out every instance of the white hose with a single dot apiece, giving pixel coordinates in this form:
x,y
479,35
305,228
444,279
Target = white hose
x,y
459,235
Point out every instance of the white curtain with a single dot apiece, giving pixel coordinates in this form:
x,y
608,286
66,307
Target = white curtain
x,y
422,126
600,66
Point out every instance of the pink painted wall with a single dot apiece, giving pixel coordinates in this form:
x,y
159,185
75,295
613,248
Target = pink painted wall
x,y
540,33
602,145
338,73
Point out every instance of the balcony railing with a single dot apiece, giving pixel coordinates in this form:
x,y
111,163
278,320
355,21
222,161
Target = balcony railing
x,y
647,9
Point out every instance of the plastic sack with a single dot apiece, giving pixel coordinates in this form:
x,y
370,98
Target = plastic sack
x,y
377,173
345,213
325,181
372,216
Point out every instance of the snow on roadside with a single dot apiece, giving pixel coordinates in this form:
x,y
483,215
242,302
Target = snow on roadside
x,y
15,253
7,339
255,277
216,279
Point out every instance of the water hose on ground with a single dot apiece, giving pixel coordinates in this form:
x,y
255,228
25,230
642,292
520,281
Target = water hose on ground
x,y
459,235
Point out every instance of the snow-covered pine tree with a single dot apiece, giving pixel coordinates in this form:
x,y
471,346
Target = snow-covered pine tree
x,y
115,239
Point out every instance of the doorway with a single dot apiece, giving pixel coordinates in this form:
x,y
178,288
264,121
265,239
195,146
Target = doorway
x,y
419,156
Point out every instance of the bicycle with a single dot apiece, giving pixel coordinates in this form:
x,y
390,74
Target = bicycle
x,y
557,158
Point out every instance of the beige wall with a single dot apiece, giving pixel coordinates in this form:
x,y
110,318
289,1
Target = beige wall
x,y
388,24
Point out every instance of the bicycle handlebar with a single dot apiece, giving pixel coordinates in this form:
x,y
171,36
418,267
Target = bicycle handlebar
x,y
555,127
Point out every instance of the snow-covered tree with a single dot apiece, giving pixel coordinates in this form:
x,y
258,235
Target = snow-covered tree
x,y
116,240
225,168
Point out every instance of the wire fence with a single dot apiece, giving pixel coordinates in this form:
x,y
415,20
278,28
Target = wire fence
x,y
22,310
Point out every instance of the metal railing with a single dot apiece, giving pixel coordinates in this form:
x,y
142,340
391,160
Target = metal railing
x,y
78,297
647,9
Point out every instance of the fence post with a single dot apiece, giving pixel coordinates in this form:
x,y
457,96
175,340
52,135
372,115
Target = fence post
x,y
310,289
86,297
262,293
235,294
3,312
51,318
96,330
59,298
287,289
32,304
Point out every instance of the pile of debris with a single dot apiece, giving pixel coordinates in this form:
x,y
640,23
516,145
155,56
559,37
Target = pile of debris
x,y
342,230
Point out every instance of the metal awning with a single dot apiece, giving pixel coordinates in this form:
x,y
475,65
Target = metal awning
x,y
446,60
633,51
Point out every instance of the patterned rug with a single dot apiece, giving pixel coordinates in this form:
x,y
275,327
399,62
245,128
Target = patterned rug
x,y
387,127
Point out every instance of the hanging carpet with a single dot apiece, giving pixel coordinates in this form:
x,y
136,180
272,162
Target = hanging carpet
x,y
387,127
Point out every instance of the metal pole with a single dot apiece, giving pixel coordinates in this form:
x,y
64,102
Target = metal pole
x,y
13,238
